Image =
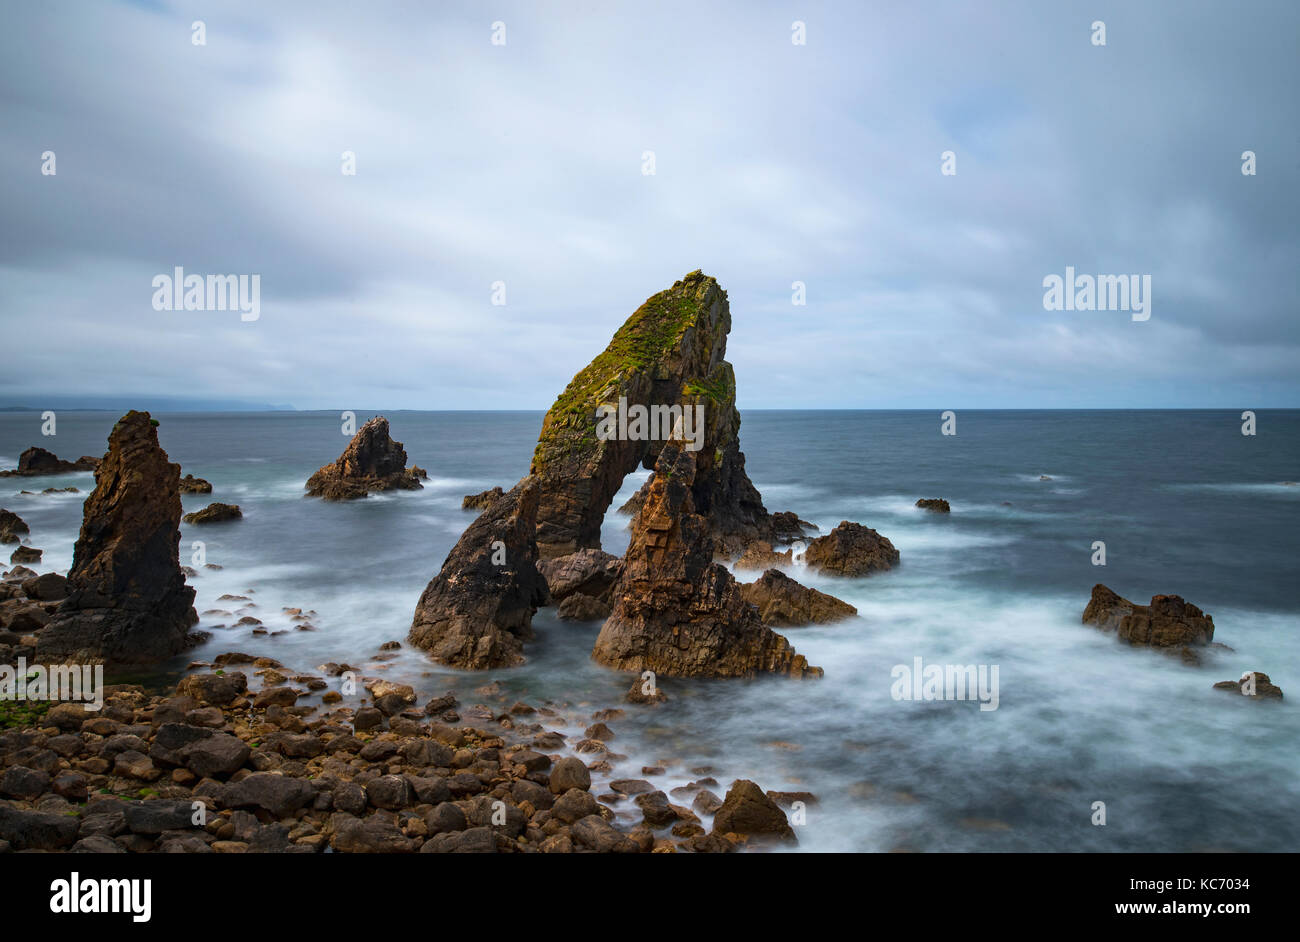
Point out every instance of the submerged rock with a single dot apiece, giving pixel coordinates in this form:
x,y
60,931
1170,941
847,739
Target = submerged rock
x,y
37,461
477,612
192,485
851,550
1168,623
127,598
215,513
1254,684
934,504
784,603
676,611
669,355
372,461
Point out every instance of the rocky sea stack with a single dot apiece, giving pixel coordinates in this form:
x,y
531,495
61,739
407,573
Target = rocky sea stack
x,y
675,610
371,462
37,461
127,598
477,612
669,353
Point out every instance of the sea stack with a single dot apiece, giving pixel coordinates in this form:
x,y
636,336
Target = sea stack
x,y
675,610
37,461
372,461
127,598
477,612
669,354
1169,623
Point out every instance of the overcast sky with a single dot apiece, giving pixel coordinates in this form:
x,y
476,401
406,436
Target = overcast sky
x,y
774,163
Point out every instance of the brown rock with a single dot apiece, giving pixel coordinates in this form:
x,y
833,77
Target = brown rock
x,y
746,810
784,603
669,353
215,513
590,572
579,607
127,598
1254,684
676,611
12,526
851,550
192,485
1168,623
760,555
372,461
478,610
37,461
934,504
482,499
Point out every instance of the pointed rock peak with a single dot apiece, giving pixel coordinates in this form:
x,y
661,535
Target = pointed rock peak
x,y
372,461
676,611
127,598
664,369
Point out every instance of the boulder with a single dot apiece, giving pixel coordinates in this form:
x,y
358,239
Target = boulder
x,y
1168,623
934,504
215,513
851,550
748,811
127,598
48,587
589,572
676,611
760,555
477,612
670,354
784,603
372,461
192,485
12,526
1254,684
25,554
579,607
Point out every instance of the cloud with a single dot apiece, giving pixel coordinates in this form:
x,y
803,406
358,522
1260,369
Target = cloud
x,y
775,163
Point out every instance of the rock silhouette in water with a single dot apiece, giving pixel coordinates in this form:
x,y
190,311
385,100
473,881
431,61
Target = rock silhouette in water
x,y
676,611
670,352
477,612
127,598
372,461
37,461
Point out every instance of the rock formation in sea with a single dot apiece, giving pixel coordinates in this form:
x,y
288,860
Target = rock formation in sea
x,y
127,598
677,612
784,603
192,485
669,354
934,504
1253,684
851,550
481,499
37,461
372,461
1168,623
477,612
215,513
12,527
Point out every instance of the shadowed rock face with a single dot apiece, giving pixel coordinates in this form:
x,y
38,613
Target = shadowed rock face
x,y
371,462
784,603
478,610
851,550
127,598
1168,622
676,611
671,352
36,461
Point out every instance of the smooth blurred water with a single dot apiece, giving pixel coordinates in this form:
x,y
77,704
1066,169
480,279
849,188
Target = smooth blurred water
x,y
1183,501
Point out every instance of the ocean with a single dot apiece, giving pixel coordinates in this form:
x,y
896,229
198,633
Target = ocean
x,y
1183,501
